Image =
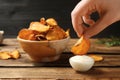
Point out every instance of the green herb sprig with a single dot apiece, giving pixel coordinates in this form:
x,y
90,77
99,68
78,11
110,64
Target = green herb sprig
x,y
112,41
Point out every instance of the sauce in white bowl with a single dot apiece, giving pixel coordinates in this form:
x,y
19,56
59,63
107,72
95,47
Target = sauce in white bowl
x,y
81,62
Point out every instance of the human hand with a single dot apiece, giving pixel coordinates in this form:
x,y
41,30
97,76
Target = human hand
x,y
109,12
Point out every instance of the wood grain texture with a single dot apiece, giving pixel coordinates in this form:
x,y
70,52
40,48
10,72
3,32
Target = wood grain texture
x,y
25,69
25,61
110,59
10,44
59,73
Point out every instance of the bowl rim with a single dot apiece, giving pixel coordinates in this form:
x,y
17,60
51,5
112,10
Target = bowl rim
x,y
19,39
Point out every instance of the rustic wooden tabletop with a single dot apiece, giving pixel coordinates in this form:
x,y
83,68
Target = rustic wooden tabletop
x,y
24,69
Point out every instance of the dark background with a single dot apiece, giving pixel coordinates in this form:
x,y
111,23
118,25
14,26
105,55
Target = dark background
x,y
17,14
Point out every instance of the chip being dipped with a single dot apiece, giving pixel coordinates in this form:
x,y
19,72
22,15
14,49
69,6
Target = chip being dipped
x,y
81,47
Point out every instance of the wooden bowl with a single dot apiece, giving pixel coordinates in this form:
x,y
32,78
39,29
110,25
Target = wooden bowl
x,y
44,51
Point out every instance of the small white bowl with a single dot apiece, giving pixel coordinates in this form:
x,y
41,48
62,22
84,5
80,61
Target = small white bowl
x,y
1,36
81,62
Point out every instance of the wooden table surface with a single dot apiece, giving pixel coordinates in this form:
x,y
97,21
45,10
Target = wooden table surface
x,y
24,69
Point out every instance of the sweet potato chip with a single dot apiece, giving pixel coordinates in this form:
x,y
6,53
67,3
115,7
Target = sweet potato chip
x,y
56,33
40,37
4,55
42,21
15,54
67,33
9,55
96,57
38,27
81,47
51,21
28,34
